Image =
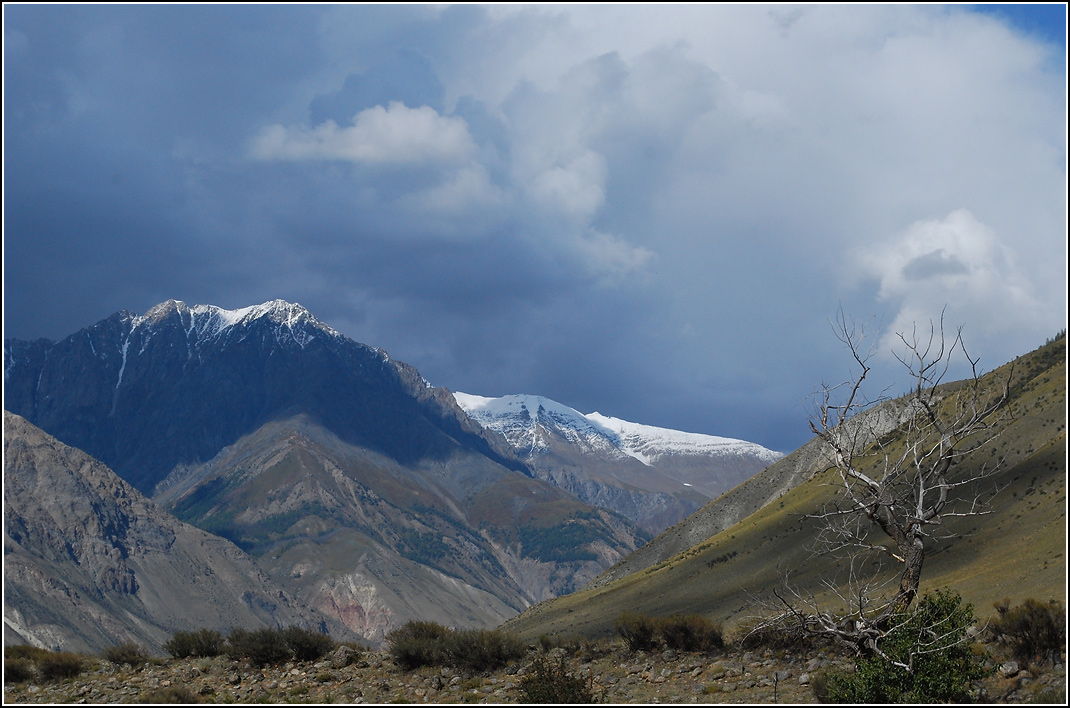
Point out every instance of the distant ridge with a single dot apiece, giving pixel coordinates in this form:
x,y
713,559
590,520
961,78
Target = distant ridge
x,y
653,476
90,563
146,393
725,560
356,486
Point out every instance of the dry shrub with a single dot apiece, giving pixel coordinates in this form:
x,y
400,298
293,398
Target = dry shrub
x,y
691,633
170,694
199,643
417,643
57,665
638,630
18,670
126,653
552,683
1034,630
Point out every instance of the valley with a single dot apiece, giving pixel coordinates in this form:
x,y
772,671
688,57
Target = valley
x,y
268,471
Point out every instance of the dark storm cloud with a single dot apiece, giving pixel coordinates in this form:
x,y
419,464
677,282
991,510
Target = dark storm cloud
x,y
933,264
647,212
402,75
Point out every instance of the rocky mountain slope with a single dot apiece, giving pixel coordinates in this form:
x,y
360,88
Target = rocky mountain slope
x,y
653,476
373,543
357,485
724,561
750,496
172,387
90,563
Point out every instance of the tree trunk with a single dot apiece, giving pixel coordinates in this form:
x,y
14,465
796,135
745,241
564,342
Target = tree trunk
x,y
913,557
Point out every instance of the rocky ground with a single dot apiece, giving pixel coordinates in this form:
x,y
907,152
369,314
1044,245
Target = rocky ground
x,y
619,676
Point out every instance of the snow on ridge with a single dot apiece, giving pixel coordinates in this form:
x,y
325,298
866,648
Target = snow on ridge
x,y
645,443
523,418
648,442
209,321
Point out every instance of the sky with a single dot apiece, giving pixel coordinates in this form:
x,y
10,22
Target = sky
x,y
651,212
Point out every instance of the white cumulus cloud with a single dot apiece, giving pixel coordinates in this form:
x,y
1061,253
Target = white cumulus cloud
x,y
396,134
577,189
957,263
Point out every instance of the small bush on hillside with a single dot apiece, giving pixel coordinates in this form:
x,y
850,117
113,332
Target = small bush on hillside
x,y
25,651
273,646
126,653
638,630
200,643
691,633
260,646
56,665
551,683
170,694
585,648
18,670
482,650
1035,630
417,643
932,641
306,644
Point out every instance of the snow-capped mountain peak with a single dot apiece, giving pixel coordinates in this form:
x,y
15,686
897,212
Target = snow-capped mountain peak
x,y
204,322
526,420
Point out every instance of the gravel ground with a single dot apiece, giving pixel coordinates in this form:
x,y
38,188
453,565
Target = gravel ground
x,y
618,676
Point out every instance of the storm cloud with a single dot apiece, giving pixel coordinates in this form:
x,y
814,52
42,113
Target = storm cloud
x,y
650,212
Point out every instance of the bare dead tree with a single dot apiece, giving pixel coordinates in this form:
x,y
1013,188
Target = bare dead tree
x,y
894,489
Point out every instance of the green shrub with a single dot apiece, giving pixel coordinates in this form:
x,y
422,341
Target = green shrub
x,y
200,643
691,633
638,630
1035,630
25,651
55,665
482,649
260,646
417,643
17,670
306,644
681,632
552,683
126,653
931,640
273,646
170,694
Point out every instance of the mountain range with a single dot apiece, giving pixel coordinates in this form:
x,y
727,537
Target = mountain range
x,y
355,487
653,476
90,562
727,560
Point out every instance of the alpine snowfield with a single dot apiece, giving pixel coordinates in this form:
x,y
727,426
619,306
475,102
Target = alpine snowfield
x,y
523,419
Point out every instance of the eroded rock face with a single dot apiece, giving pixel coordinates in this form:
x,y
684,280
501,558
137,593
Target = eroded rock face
x,y
321,457
372,543
89,562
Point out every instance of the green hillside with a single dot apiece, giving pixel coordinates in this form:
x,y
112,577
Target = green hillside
x,y
1016,551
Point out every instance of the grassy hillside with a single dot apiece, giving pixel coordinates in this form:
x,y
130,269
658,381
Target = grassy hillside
x,y
1016,551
